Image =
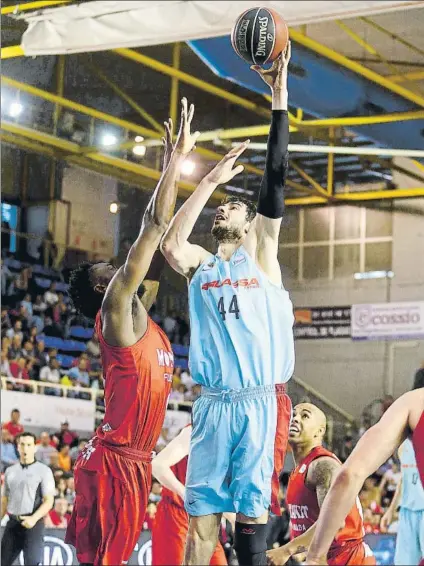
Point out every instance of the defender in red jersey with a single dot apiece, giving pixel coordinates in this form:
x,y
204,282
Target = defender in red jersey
x,y
170,527
113,473
309,483
404,418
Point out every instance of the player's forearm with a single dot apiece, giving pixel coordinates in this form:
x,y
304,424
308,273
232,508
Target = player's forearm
x,y
337,504
168,479
302,542
44,508
280,97
271,196
183,222
161,206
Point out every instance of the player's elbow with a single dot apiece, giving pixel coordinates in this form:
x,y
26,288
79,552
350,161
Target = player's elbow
x,y
169,247
350,476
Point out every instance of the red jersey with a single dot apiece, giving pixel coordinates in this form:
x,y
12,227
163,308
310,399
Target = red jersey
x,y
418,442
14,429
304,508
137,381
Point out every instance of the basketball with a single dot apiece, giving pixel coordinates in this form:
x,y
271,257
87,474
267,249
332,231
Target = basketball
x,y
259,36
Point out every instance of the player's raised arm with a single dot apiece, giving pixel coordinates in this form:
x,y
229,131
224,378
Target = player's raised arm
x,y
181,255
266,230
117,304
175,451
372,450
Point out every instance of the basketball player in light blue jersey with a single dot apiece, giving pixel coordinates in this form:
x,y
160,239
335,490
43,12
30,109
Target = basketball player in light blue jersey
x,y
241,347
409,496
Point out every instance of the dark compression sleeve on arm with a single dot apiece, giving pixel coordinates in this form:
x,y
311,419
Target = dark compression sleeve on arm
x,y
271,196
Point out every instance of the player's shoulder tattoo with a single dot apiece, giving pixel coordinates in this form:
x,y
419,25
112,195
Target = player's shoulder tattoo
x,y
321,475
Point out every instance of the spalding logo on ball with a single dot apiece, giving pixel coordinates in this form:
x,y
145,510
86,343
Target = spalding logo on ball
x,y
259,36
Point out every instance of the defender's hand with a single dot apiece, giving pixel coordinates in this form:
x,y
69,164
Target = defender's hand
x,y
186,141
224,172
278,556
276,76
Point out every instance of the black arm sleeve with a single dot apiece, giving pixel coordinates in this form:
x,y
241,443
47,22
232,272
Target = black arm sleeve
x,y
271,196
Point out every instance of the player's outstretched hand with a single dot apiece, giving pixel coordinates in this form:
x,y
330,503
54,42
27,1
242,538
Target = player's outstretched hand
x,y
278,556
186,141
386,521
225,171
276,76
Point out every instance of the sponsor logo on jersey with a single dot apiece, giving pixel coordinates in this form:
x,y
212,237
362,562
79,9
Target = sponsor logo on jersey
x,y
165,359
106,427
302,469
298,511
239,260
246,283
208,267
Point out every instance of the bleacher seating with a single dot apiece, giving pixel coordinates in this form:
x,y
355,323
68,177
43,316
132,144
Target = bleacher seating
x,y
80,333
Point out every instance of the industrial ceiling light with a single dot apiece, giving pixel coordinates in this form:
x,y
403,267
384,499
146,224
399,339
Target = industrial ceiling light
x,y
139,150
109,140
373,275
113,207
138,139
15,109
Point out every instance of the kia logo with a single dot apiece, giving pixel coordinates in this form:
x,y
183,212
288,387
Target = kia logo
x,y
56,553
144,557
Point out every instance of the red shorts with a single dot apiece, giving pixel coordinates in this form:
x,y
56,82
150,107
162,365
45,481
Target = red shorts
x,y
169,535
358,554
111,499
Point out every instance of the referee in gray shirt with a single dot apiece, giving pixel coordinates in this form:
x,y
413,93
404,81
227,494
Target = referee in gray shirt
x,y
28,496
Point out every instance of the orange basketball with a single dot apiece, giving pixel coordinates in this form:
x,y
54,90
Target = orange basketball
x,y
259,36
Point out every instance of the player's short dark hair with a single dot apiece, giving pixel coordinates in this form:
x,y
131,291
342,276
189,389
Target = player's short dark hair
x,y
26,435
250,206
86,300
418,379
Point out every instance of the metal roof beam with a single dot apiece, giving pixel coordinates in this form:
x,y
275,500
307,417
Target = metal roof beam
x,y
8,10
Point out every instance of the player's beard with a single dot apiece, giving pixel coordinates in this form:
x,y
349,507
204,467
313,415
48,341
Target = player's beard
x,y
226,234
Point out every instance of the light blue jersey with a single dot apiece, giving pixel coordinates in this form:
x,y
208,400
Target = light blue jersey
x,y
410,536
241,325
412,489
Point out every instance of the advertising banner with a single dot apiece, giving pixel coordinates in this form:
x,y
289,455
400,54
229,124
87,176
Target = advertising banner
x,y
58,553
322,322
392,321
49,411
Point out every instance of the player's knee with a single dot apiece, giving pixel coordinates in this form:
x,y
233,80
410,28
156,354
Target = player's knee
x,y
204,529
250,544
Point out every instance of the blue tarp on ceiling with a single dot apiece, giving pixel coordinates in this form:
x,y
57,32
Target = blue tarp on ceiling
x,y
324,89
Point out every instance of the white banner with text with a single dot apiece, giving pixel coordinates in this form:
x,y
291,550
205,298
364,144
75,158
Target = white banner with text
x,y
392,321
48,411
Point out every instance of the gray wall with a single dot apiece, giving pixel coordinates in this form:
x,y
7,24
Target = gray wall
x,y
352,374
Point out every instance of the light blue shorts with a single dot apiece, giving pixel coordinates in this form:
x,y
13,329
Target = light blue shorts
x,y
410,537
237,450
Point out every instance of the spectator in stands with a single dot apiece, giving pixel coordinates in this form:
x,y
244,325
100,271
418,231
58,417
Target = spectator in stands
x,y
5,366
195,392
45,449
39,307
5,344
58,517
66,436
389,482
178,393
150,517
61,487
28,351
64,461
83,357
53,329
80,375
76,450
70,488
187,380
51,373
183,329
14,426
48,252
16,330
18,368
155,492
50,296
32,336
346,448
8,452
93,348
170,326
41,356
6,323
6,279
27,304
22,282
15,348
54,465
